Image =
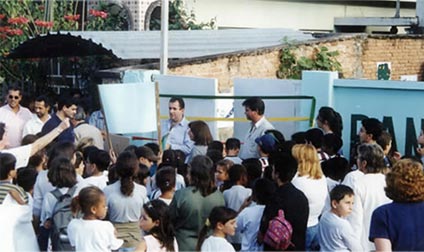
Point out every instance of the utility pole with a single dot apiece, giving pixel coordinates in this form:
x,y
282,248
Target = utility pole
x,y
164,37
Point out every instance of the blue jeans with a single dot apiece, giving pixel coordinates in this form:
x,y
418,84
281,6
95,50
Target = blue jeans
x,y
311,241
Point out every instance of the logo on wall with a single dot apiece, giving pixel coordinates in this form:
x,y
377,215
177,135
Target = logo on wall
x,y
384,70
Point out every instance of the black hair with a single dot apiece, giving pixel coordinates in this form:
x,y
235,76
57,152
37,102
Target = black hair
x,y
299,137
315,137
154,147
384,139
66,101
29,139
142,173
169,158
131,148
339,192
333,118
285,166
2,130
373,126
336,168
214,155
7,164
62,173
166,178
87,198
26,178
179,100
201,175
278,136
263,191
255,104
216,145
45,99
236,173
331,144
218,214
164,232
62,148
232,144
100,158
254,170
126,167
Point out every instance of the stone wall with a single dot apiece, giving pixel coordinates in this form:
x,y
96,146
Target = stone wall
x,y
359,55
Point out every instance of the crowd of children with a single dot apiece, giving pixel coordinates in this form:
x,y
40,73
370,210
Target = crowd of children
x,y
211,200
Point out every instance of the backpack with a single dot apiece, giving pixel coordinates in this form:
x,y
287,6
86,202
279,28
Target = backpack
x,y
61,217
279,232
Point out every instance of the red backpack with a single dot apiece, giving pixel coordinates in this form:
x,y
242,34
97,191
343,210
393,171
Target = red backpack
x,y
279,232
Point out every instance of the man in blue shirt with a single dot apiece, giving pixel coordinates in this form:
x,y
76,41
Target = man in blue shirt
x,y
67,108
175,129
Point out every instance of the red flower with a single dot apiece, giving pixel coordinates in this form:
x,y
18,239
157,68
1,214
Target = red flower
x,y
18,20
4,29
43,23
96,13
72,18
2,16
15,32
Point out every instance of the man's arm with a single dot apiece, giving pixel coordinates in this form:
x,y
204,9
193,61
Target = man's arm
x,y
46,139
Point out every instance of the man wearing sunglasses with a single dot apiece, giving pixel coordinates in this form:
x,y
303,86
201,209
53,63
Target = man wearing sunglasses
x,y
14,116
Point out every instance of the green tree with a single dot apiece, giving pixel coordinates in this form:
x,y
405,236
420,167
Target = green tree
x,y
180,19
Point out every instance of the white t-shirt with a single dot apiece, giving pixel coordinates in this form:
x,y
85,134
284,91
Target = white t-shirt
x,y
99,181
153,244
316,192
21,153
336,234
93,235
214,244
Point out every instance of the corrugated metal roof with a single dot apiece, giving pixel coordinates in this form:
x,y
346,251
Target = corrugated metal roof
x,y
183,44
189,44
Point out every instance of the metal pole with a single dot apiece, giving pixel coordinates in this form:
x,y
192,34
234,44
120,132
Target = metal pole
x,y
164,37
397,14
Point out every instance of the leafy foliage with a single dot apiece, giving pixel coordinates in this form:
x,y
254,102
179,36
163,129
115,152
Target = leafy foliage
x,y
180,19
291,67
22,19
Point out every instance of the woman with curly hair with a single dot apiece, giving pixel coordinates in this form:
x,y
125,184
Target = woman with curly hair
x,y
311,181
399,226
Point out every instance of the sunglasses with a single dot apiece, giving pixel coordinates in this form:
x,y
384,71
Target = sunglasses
x,y
13,97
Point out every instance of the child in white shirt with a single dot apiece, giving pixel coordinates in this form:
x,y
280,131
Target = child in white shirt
x,y
91,232
222,220
334,232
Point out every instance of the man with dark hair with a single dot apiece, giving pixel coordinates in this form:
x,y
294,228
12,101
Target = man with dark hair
x,y
370,131
67,108
175,130
41,109
14,116
254,109
288,198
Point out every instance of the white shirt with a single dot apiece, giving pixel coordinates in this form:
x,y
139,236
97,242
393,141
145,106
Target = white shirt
x,y
316,192
336,234
14,123
33,126
249,148
248,222
99,181
93,235
369,194
214,244
21,153
153,244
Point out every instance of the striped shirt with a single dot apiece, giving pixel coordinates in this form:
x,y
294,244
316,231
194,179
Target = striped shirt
x,y
5,188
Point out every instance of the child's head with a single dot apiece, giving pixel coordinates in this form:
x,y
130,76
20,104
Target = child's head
x,y
100,158
142,175
232,146
7,166
92,203
62,173
222,220
26,178
166,179
341,197
79,163
238,174
155,220
263,190
222,167
254,169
